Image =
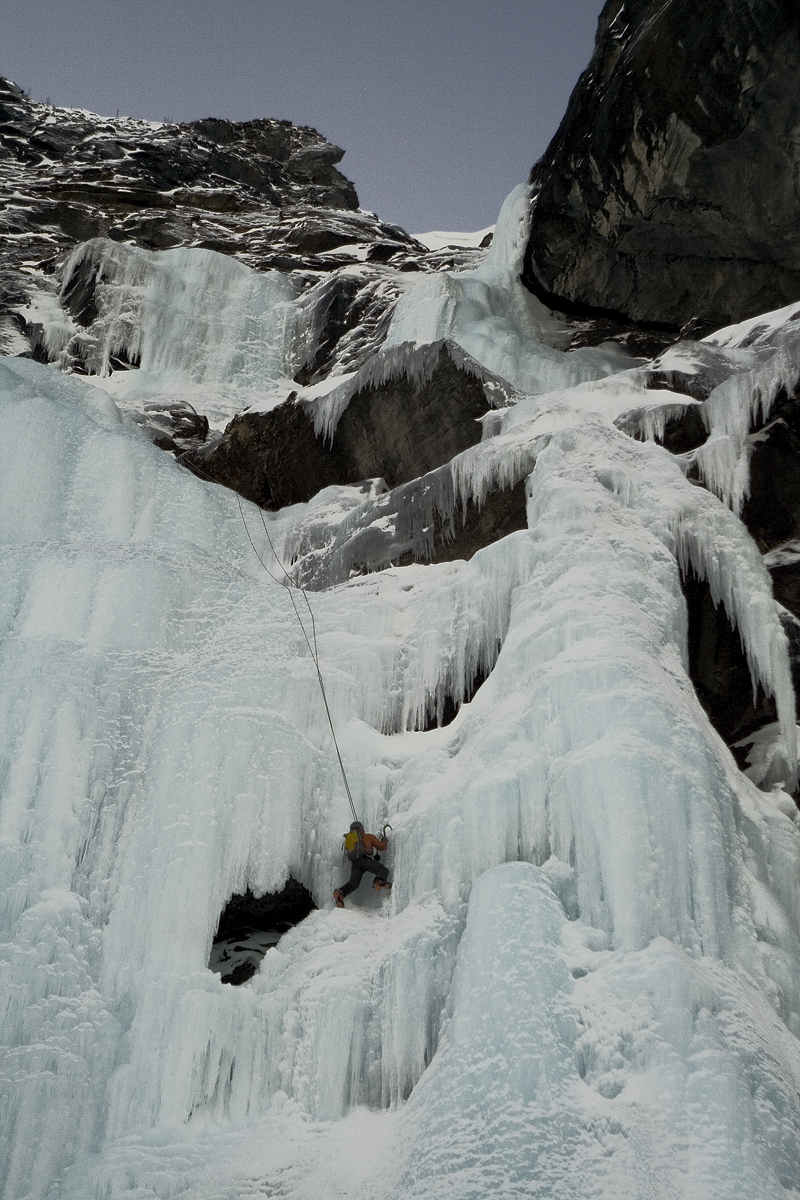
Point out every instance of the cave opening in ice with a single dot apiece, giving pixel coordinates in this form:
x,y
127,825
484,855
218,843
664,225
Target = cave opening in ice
x,y
444,710
250,925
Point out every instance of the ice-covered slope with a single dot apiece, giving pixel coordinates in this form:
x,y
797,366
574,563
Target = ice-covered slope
x,y
587,975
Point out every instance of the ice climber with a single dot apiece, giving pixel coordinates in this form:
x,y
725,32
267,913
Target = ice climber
x,y
361,849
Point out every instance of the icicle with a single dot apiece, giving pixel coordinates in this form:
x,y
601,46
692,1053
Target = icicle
x,y
712,543
649,423
730,411
326,402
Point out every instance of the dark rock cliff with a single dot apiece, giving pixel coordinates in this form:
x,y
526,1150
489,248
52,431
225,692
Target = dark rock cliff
x,y
672,187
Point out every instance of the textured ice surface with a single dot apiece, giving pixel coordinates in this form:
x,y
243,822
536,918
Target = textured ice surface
x,y
586,977
202,326
489,313
164,746
575,1070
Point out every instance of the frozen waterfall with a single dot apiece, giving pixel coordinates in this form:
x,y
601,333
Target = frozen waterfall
x,y
199,325
587,976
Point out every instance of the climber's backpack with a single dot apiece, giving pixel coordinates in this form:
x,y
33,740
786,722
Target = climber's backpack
x,y
354,845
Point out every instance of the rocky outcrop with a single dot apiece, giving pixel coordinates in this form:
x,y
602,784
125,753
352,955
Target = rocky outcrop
x,y
772,508
151,183
719,671
672,187
172,425
420,521
398,429
266,192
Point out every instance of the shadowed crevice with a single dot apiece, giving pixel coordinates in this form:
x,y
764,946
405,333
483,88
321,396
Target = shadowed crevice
x,y
250,925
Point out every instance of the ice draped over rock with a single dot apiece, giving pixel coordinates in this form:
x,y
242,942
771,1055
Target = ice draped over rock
x,y
199,325
496,320
587,975
201,316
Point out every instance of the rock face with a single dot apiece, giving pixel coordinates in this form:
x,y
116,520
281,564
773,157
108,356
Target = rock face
x,y
672,187
398,431
772,509
421,521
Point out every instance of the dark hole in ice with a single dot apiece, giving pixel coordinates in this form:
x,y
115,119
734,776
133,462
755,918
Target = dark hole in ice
x,y
449,711
251,925
719,671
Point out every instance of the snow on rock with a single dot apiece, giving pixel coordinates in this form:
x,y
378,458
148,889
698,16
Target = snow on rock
x,y
755,332
439,239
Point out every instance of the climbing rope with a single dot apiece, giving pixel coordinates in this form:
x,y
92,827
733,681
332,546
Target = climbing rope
x,y
290,585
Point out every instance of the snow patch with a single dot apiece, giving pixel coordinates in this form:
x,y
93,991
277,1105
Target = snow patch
x,y
438,239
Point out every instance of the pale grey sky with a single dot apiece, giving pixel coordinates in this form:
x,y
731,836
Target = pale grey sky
x,y
441,106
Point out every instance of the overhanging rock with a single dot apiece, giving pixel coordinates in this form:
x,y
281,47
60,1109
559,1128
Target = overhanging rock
x,y
406,412
670,190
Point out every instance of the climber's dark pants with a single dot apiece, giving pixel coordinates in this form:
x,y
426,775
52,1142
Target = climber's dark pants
x,y
359,867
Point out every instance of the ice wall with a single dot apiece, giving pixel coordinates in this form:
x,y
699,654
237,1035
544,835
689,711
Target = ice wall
x,y
620,1077
200,326
164,745
496,320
